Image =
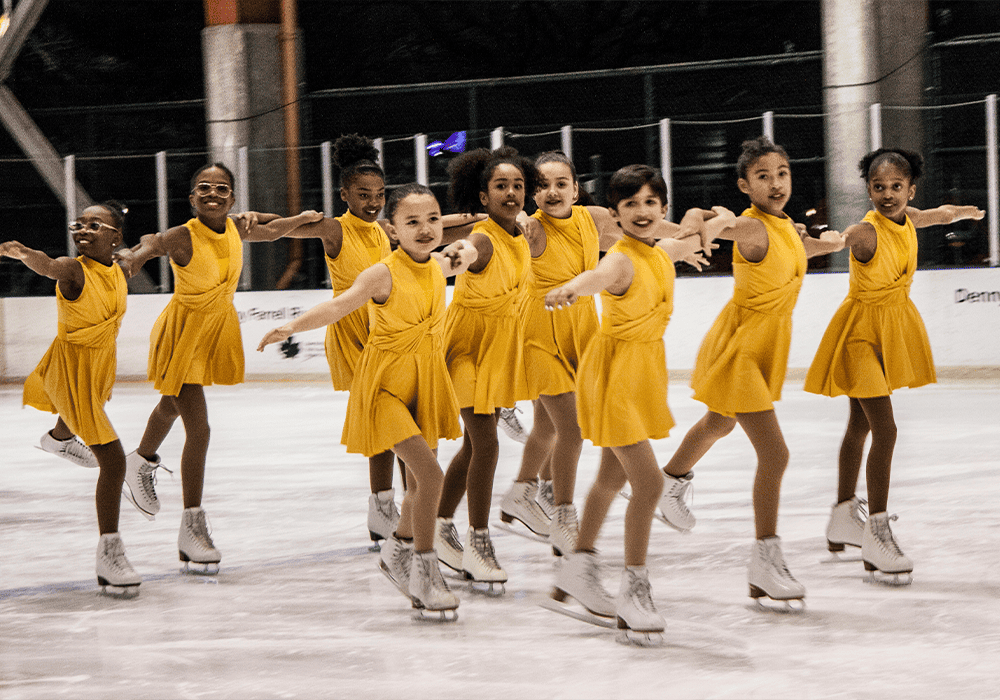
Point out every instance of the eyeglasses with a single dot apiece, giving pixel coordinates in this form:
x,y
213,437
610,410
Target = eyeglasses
x,y
92,226
206,188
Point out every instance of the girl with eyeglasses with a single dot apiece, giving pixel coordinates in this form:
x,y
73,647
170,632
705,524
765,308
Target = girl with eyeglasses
x,y
75,377
194,343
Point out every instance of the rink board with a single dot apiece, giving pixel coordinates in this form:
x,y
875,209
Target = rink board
x,y
961,309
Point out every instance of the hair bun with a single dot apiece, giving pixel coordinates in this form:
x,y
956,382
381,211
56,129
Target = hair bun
x,y
353,148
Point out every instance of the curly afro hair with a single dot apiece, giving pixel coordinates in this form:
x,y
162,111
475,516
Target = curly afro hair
x,y
470,174
356,155
912,164
753,149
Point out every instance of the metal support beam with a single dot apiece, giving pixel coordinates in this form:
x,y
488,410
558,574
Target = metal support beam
x,y
23,19
34,144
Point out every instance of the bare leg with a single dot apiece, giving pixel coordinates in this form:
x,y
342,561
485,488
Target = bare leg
x,y
538,447
639,464
610,479
456,477
879,465
111,459
380,471
161,420
698,441
482,467
420,503
851,451
772,457
61,431
565,452
194,413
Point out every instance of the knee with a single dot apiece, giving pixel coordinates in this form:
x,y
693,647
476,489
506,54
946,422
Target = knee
x,y
718,426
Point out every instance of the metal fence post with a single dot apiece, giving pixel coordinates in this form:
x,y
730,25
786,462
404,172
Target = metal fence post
x,y
768,129
243,204
381,152
992,178
666,166
496,138
566,136
69,171
420,153
326,172
875,119
163,216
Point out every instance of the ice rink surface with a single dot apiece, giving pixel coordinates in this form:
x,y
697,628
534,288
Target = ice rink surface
x,y
300,609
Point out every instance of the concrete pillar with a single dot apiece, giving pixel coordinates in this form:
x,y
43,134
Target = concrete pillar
x,y
850,67
243,92
871,54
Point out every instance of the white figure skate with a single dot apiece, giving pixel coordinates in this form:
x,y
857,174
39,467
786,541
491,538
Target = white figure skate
x,y
563,530
579,578
479,562
845,528
511,426
638,621
395,562
882,555
770,578
139,487
71,449
447,545
115,574
194,544
383,516
546,498
519,504
429,591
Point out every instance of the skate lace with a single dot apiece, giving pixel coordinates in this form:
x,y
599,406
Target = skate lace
x,y
640,591
147,478
201,529
545,493
860,511
387,509
511,424
778,562
432,572
76,449
114,555
483,545
450,536
566,521
883,533
681,490
401,559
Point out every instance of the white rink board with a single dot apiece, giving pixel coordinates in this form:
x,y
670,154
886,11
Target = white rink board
x,y
961,309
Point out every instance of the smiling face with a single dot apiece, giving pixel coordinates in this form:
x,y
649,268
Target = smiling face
x,y
99,236
365,196
557,190
639,214
503,199
890,189
209,202
417,226
768,183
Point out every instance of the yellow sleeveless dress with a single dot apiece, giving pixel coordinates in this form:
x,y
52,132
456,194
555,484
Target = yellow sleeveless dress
x,y
77,372
876,341
742,362
401,386
363,244
196,339
621,388
554,341
482,328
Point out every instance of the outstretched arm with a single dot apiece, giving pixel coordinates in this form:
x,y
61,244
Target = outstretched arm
x,y
68,272
613,273
373,283
687,250
457,226
456,258
265,228
945,214
174,242
828,241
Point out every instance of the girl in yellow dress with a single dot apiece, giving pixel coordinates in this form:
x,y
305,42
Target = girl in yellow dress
x,y
564,239
742,361
484,346
194,343
875,343
621,391
351,244
75,377
402,398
